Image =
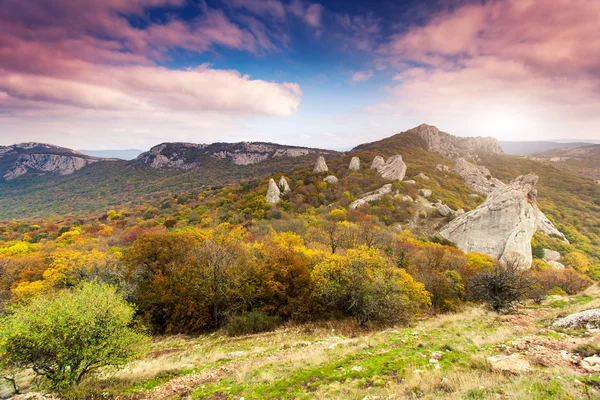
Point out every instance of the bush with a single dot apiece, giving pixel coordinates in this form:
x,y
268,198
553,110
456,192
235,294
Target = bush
x,y
70,335
502,286
587,350
251,322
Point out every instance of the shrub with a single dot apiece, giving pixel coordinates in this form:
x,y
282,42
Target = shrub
x,y
587,350
70,335
502,286
251,322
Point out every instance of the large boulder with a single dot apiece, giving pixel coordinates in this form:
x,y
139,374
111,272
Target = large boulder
x,y
354,164
502,226
273,193
378,162
320,165
283,185
425,192
394,168
372,196
331,179
551,255
584,319
443,209
512,364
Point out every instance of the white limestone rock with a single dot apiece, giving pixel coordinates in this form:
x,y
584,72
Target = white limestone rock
x,y
458,212
354,164
546,226
407,198
443,209
501,227
283,185
372,196
425,192
410,182
477,177
441,167
320,165
556,265
513,364
551,255
331,179
51,163
423,176
394,168
273,193
378,162
589,319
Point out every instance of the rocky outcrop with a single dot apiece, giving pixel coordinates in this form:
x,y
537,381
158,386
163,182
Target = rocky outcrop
x,y
283,185
331,179
188,156
394,168
372,196
502,226
589,319
50,163
273,193
453,146
378,162
320,165
477,177
354,164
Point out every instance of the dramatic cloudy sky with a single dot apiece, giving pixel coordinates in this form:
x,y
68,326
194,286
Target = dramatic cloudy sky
x,y
106,74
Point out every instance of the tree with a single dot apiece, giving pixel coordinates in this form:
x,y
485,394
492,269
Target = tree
x,y
70,335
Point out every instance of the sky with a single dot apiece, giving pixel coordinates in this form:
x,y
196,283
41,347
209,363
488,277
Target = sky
x,y
116,74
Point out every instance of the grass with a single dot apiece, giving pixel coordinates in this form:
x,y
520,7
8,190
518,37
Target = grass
x,y
332,360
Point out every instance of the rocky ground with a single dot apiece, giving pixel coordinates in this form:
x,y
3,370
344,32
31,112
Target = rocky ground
x,y
473,354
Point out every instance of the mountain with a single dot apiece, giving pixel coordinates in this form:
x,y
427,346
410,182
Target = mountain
x,y
35,159
83,184
128,154
532,147
187,156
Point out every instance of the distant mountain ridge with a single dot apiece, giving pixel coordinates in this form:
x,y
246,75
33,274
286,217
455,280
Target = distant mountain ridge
x,y
126,154
533,147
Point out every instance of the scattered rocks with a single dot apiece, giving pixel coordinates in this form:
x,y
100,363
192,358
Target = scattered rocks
x,y
331,179
378,162
513,364
441,167
273,193
354,164
357,368
372,196
435,357
394,168
423,176
591,364
589,319
320,165
425,192
407,198
443,209
501,227
283,185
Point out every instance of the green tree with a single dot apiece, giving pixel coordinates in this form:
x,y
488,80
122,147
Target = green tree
x,y
70,335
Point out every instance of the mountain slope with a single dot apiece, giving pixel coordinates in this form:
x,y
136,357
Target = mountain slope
x,y
583,161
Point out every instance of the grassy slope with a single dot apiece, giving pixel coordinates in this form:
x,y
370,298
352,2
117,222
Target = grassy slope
x,y
336,360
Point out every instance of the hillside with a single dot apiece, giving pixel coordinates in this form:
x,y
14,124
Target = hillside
x,y
533,147
583,160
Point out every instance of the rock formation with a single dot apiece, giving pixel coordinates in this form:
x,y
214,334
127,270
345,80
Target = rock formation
x,y
372,196
283,185
443,209
453,147
502,226
273,192
320,165
378,162
477,177
52,163
552,258
354,164
394,168
546,226
331,179
589,319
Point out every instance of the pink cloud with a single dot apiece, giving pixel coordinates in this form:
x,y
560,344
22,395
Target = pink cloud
x,y
361,76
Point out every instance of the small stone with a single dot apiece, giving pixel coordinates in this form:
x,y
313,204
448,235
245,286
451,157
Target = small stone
x,y
357,368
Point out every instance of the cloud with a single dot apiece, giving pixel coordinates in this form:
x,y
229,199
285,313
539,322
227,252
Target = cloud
x,y
361,76
510,68
272,8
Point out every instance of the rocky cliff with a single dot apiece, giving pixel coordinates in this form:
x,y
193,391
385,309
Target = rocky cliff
x,y
188,156
503,225
454,147
40,158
